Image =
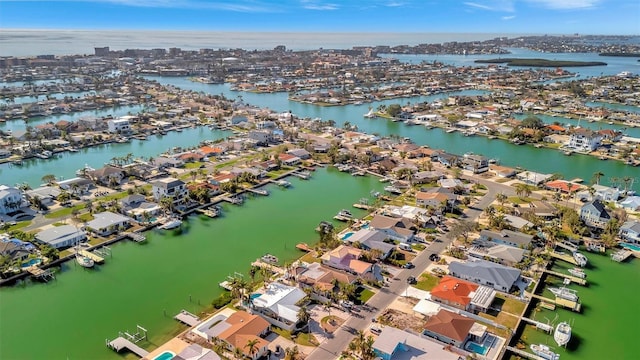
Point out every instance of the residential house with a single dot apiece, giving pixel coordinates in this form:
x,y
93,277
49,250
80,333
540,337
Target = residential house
x,y
278,305
533,178
172,188
77,185
107,175
392,344
346,258
542,209
595,214
137,207
508,237
502,171
107,223
63,236
46,194
631,203
416,215
463,295
606,193
119,126
196,352
498,253
584,139
236,330
476,163
630,231
262,137
289,160
447,159
401,229
11,199
370,239
563,186
301,153
322,278
451,328
14,249
424,177
500,277
434,199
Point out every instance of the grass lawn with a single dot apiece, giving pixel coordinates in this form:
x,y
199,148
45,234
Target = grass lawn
x,y
418,247
511,306
19,225
309,258
365,295
300,339
274,174
519,200
427,282
504,319
193,165
63,212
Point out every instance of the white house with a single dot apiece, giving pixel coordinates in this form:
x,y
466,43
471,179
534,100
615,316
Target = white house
x,y
61,236
606,193
630,231
278,306
107,223
170,187
10,199
583,139
119,126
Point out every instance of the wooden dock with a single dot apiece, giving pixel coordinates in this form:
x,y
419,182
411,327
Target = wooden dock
x,y
38,273
302,175
524,354
187,318
574,279
567,245
539,325
565,257
120,343
233,200
571,305
137,237
621,255
303,247
272,268
342,218
361,206
96,259
258,192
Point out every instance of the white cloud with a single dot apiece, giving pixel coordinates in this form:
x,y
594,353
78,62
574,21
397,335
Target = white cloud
x,y
508,17
317,5
566,4
492,5
395,4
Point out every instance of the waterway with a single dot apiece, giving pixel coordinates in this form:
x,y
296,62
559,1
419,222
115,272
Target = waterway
x,y
64,165
606,327
71,317
540,160
614,107
615,64
584,123
36,98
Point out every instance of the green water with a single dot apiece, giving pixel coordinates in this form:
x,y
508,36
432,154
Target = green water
x,y
71,317
607,326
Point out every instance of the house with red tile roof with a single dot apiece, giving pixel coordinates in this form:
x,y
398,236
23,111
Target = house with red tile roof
x,y
288,159
563,186
236,330
463,295
454,329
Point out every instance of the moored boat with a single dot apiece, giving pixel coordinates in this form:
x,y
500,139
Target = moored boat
x,y
562,334
580,259
171,224
577,272
268,258
564,293
84,261
544,352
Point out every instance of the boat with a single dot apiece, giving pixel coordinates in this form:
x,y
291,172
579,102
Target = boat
x,y
370,115
564,293
171,224
567,152
345,213
212,213
580,259
44,155
451,130
84,170
392,189
577,272
268,258
283,183
84,261
562,335
544,352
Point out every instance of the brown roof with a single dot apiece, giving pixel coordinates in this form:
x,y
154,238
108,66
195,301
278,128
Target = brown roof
x,y
450,324
244,327
454,290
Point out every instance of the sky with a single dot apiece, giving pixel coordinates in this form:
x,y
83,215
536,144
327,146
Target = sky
x,y
428,16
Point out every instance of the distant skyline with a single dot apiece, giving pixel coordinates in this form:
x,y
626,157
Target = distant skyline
x,y
456,16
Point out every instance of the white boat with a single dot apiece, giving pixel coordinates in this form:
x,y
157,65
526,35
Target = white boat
x,y
564,293
283,183
577,272
171,224
370,115
345,213
580,259
84,261
84,170
544,352
562,335
392,189
268,258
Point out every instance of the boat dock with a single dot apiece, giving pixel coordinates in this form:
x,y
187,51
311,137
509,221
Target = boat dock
x,y
342,218
304,247
137,237
38,273
96,258
302,175
567,245
225,285
361,206
187,318
258,191
571,305
565,257
542,326
621,255
233,200
524,354
272,268
574,279
129,341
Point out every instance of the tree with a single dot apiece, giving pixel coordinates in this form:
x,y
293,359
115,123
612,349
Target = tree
x,y
394,109
49,179
596,177
304,316
501,198
523,189
252,345
462,228
532,122
292,353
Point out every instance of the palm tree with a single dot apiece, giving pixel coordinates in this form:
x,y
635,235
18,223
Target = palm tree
x,y
501,198
252,345
304,316
596,177
292,353
49,179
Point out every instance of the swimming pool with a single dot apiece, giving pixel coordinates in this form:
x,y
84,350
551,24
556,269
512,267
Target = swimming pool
x,y
31,262
255,296
167,355
476,348
347,235
630,246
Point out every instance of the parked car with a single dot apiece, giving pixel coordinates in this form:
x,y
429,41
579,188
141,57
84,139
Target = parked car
x,y
408,265
376,330
434,257
411,280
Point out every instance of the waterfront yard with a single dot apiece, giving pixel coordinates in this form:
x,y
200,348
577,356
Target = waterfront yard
x,y
427,282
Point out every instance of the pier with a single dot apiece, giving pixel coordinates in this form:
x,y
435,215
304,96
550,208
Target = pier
x,y
258,192
235,200
282,183
574,279
38,273
524,354
571,305
621,255
567,245
137,237
539,325
96,258
343,218
565,257
272,268
302,175
129,341
187,318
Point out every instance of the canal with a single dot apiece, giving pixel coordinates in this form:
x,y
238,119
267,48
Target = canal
x,y
71,317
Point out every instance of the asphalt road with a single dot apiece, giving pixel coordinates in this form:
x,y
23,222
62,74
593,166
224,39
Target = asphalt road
x,y
331,348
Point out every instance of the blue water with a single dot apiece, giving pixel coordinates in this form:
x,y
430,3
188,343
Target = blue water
x,y
31,263
255,296
476,348
347,235
630,246
167,355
